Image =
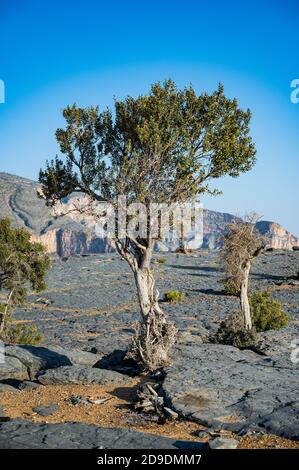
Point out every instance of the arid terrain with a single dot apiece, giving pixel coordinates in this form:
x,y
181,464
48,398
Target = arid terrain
x,y
87,317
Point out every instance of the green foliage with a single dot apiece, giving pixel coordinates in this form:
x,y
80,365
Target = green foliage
x,y
22,334
161,260
174,296
23,264
267,314
232,332
160,147
163,147
230,289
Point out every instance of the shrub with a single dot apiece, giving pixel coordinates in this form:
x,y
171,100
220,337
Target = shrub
x,y
174,296
23,265
232,332
267,313
230,289
161,260
22,334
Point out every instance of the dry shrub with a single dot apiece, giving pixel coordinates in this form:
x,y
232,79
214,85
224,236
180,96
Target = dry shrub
x,y
232,332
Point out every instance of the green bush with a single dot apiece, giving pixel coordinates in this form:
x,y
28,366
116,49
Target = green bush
x,y
230,289
267,313
22,334
232,332
174,296
161,260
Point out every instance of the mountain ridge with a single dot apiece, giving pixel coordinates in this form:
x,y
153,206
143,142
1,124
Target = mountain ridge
x,y
75,234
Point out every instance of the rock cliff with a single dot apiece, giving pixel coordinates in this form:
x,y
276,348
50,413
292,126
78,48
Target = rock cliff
x,y
75,234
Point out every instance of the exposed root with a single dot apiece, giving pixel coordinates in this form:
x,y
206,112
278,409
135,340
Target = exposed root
x,y
152,343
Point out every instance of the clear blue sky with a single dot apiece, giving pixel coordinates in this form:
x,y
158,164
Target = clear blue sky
x,y
56,52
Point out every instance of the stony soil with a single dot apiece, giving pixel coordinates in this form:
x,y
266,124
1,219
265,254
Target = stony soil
x,y
116,413
95,296
91,305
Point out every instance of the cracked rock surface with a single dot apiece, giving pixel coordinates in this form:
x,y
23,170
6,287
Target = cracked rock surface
x,y
21,434
223,387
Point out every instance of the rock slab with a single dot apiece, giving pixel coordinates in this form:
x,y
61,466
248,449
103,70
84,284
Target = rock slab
x,y
81,376
21,434
225,388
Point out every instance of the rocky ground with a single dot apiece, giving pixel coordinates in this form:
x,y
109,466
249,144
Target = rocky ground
x,y
214,391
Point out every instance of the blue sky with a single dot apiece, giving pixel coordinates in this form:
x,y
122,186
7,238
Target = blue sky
x,y
53,53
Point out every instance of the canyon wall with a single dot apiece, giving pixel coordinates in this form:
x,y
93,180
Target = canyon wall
x,y
76,234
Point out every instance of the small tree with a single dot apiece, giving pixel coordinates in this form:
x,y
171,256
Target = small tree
x,y
242,244
160,148
22,264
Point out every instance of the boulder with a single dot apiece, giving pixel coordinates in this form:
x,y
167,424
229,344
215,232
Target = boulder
x,y
46,410
77,357
13,368
80,375
37,358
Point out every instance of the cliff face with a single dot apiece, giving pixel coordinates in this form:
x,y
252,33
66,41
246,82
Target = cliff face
x,y
277,236
73,234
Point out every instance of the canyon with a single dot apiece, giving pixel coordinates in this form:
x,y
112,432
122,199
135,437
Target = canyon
x,y
74,233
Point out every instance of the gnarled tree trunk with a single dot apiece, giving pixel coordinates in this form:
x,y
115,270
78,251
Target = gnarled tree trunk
x,y
148,298
245,307
154,335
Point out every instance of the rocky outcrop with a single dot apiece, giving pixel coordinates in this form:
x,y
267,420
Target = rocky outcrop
x,y
225,388
277,237
25,361
21,434
80,375
74,234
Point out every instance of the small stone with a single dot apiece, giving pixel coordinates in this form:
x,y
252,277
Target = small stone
x,y
223,443
78,400
203,434
46,410
28,385
170,413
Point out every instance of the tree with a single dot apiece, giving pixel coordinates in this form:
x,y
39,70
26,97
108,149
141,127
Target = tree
x,y
242,244
163,147
22,263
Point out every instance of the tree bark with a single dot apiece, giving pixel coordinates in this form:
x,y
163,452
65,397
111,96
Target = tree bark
x,y
148,298
4,314
245,307
154,335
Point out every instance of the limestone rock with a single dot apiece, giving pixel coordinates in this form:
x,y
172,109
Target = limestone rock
x,y
80,375
225,388
13,368
46,410
36,358
223,443
21,434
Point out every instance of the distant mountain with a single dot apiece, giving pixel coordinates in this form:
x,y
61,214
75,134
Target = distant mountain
x,y
74,234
